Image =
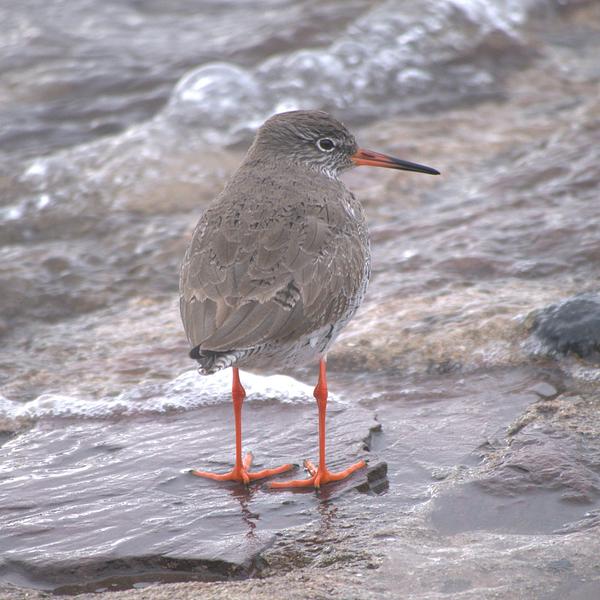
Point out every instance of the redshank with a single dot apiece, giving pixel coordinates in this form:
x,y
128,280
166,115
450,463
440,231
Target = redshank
x,y
278,264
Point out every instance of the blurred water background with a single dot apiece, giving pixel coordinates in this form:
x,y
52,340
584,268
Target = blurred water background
x,y
120,121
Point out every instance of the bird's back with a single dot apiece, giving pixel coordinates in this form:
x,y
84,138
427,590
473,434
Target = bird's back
x,y
278,263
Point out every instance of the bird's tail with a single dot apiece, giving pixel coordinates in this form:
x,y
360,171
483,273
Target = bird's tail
x,y
210,361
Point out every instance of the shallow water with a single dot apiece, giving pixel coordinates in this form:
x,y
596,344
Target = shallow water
x,y
85,497
112,497
112,144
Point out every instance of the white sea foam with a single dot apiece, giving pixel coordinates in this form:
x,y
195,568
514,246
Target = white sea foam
x,y
385,61
187,391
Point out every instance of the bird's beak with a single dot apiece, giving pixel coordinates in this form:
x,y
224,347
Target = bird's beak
x,y
376,159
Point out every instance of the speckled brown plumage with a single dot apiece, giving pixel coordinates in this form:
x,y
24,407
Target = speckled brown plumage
x,y
278,263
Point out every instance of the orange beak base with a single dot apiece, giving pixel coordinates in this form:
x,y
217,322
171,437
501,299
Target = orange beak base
x,y
377,159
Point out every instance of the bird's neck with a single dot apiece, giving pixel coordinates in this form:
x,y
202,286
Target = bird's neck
x,y
266,160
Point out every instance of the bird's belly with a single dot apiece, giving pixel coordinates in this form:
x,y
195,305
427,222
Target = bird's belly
x,y
283,356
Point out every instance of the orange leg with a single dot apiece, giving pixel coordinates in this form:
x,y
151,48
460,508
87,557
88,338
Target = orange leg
x,y
240,472
320,475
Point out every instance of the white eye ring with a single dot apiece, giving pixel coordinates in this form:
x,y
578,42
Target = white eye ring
x,y
325,144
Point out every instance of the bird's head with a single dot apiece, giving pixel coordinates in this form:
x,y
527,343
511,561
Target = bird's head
x,y
317,140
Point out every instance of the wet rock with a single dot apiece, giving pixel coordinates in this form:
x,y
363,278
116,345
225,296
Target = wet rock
x,y
591,520
71,578
369,440
377,481
573,326
531,415
536,462
544,389
496,566
310,543
121,489
545,477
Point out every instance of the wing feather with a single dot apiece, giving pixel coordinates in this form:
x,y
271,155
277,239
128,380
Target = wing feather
x,y
270,269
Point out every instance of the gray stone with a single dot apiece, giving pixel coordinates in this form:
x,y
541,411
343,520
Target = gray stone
x,y
573,326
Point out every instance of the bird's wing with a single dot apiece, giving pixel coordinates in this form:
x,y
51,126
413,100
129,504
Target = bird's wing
x,y
280,280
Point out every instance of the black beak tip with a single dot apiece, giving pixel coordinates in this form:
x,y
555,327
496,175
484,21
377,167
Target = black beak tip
x,y
406,165
426,170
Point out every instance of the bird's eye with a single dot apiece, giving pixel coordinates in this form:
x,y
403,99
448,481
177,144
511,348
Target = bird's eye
x,y
325,144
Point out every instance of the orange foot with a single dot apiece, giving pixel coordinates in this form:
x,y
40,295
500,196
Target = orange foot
x,y
242,474
318,477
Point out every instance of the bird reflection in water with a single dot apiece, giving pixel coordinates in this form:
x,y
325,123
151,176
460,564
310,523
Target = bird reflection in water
x,y
244,494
